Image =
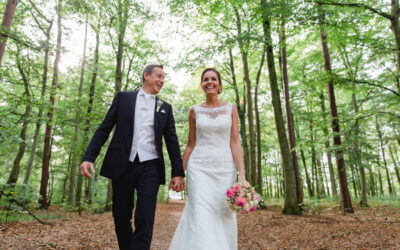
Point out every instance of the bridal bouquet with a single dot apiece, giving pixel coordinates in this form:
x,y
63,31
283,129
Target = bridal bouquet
x,y
242,198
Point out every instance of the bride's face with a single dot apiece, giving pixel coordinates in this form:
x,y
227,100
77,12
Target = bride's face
x,y
210,83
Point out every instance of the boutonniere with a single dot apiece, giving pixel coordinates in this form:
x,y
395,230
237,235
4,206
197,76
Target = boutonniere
x,y
159,104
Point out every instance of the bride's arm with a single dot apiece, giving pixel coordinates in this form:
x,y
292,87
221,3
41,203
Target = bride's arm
x,y
191,139
236,146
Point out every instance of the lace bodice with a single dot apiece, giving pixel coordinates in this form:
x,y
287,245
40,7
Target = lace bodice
x,y
213,127
207,222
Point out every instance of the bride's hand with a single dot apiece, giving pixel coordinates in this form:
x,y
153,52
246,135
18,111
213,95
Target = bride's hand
x,y
242,180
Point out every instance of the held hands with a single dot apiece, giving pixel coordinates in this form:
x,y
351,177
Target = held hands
x,y
84,169
177,184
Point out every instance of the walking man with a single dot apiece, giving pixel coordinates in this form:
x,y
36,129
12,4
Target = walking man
x,y
134,160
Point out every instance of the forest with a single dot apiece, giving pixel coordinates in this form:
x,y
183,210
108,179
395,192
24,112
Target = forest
x,y
316,84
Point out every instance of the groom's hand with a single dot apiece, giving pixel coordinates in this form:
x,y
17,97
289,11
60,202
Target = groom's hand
x,y
177,184
84,168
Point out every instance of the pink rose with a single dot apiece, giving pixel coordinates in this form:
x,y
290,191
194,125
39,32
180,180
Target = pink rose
x,y
246,185
240,201
253,208
230,193
236,188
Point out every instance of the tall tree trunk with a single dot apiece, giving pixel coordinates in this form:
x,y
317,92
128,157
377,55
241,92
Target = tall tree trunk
x,y
396,168
123,10
47,147
395,26
25,121
371,180
289,117
40,112
77,153
380,182
325,177
328,150
258,126
314,173
353,177
378,129
6,24
363,181
241,107
88,189
345,199
291,206
250,112
320,177
303,159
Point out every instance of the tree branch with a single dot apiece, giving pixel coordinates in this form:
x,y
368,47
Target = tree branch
x,y
358,5
375,85
26,209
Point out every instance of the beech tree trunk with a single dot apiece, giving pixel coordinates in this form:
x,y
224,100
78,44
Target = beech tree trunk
x,y
6,25
88,181
371,180
328,150
363,181
40,112
47,147
314,173
396,168
380,182
25,121
241,107
303,159
289,117
345,199
123,11
250,112
77,153
378,129
258,127
291,206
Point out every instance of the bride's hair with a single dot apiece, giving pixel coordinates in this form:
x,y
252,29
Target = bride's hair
x,y
218,76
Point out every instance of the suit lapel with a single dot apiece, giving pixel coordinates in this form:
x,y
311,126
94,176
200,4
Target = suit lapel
x,y
156,116
133,105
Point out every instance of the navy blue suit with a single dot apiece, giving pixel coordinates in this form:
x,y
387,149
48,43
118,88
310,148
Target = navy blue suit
x,y
128,177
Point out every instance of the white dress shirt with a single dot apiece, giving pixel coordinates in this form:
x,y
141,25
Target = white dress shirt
x,y
143,141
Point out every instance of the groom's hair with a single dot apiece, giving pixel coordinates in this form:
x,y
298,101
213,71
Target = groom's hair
x,y
149,69
218,76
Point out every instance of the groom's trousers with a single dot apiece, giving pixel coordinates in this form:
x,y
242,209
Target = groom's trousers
x,y
144,179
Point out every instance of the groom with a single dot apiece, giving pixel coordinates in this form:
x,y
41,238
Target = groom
x,y
134,160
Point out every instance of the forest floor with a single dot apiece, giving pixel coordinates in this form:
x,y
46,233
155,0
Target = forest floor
x,y
318,228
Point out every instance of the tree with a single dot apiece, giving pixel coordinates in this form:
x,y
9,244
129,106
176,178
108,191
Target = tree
x,y
291,206
345,200
250,112
289,117
6,24
47,146
47,32
25,121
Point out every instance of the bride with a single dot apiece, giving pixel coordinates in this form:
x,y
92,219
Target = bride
x,y
212,157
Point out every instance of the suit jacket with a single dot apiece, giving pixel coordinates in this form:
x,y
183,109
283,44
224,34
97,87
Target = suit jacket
x,y
122,115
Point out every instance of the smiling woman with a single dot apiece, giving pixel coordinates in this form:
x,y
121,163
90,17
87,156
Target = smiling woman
x,y
211,81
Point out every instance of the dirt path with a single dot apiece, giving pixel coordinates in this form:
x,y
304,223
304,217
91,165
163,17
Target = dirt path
x,y
268,229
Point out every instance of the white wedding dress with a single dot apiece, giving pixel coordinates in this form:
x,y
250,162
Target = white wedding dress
x,y
207,222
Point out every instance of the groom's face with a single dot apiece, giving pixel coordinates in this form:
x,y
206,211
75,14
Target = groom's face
x,y
154,82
